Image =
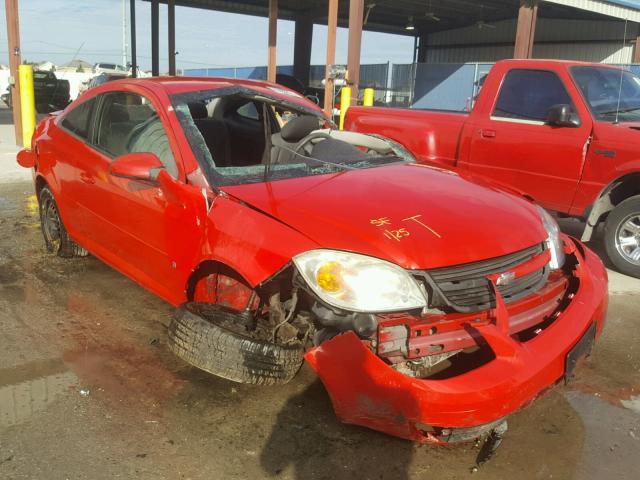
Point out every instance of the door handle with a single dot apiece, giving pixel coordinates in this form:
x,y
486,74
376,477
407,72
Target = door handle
x,y
86,178
487,133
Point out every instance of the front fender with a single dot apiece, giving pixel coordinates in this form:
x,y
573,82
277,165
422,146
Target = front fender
x,y
250,242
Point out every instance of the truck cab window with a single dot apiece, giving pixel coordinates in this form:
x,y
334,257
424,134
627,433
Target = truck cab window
x,y
529,94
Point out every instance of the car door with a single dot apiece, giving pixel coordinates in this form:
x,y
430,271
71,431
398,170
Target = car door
x,y
515,145
134,221
69,151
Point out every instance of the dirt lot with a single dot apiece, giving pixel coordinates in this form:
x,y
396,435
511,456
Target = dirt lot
x,y
89,390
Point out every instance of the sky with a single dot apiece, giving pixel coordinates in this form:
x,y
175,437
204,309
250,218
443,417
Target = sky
x,y
91,30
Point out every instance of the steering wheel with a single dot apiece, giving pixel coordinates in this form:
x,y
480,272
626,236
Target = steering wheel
x,y
302,147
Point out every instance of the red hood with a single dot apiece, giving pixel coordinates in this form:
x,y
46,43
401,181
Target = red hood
x,y
447,220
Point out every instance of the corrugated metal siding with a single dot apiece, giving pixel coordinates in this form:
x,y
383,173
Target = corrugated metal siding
x,y
586,52
594,41
612,8
547,30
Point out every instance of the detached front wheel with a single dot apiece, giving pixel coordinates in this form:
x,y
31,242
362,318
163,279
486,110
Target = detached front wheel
x,y
622,236
212,338
56,238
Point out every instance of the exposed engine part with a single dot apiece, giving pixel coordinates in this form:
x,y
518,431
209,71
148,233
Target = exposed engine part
x,y
364,324
420,367
281,312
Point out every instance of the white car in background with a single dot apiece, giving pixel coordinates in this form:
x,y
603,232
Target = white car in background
x,y
109,68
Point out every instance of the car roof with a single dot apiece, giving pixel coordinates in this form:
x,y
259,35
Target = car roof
x,y
540,62
176,85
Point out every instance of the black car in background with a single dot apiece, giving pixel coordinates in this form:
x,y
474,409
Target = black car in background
x,y
50,93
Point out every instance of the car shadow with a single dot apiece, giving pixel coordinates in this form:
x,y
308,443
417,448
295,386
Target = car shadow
x,y
309,438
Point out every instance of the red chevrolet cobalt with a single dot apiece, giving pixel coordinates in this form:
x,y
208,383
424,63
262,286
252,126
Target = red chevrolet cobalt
x,y
430,305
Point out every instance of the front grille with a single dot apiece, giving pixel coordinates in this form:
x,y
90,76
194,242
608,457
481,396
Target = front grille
x,y
465,288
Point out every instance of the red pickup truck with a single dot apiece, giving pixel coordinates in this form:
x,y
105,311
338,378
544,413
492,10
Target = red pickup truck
x,y
566,134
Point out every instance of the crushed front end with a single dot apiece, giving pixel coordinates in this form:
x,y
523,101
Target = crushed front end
x,y
496,334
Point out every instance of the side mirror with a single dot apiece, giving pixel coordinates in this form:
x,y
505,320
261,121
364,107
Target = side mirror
x,y
562,116
137,166
26,158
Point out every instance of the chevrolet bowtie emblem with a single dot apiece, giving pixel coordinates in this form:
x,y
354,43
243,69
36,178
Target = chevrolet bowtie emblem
x,y
506,278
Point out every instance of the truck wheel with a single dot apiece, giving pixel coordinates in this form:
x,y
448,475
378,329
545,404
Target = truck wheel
x,y
56,238
622,236
200,334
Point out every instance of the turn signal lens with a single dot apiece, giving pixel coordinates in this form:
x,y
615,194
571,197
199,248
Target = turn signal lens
x,y
328,277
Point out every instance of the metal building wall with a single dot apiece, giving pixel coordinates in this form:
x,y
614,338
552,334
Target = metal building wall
x,y
595,41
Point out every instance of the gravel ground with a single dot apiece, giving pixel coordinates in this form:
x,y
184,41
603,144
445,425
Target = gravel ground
x,y
89,390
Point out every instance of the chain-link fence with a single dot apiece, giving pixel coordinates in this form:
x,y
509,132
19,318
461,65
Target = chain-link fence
x,y
437,86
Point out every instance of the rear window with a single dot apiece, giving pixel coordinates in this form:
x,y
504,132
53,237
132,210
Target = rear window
x,y
78,120
529,94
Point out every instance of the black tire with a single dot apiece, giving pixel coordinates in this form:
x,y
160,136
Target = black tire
x,y
620,225
205,344
56,238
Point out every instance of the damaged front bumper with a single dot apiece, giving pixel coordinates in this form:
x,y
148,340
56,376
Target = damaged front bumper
x,y
366,390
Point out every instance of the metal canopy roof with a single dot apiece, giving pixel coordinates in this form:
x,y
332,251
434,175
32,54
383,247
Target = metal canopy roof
x,y
392,16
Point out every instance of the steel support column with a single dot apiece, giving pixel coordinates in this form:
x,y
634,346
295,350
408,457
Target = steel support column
x,y
302,49
13,42
526,29
356,13
171,29
273,34
422,48
155,38
332,27
636,51
134,54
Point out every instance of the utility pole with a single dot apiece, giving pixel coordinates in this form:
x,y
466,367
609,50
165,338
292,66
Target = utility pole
x,y
124,34
13,41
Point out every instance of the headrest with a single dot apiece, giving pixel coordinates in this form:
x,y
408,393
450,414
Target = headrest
x,y
198,110
118,113
299,127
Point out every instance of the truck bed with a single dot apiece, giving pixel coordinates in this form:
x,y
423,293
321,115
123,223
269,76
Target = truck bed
x,y
431,135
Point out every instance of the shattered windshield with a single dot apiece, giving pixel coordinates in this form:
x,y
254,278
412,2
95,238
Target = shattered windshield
x,y
240,136
612,94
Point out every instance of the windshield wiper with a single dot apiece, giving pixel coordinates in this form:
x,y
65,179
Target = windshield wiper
x,y
621,110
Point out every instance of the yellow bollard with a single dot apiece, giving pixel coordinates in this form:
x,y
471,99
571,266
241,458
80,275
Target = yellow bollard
x,y
27,104
345,102
367,101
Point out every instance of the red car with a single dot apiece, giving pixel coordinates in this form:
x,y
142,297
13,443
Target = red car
x,y
431,306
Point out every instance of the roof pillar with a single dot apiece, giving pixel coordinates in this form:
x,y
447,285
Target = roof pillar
x,y
332,27
356,12
526,29
273,34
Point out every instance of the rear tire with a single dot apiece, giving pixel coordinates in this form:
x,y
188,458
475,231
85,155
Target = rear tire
x,y
56,237
203,342
622,236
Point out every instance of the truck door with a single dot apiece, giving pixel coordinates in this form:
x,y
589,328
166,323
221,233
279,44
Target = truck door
x,y
516,146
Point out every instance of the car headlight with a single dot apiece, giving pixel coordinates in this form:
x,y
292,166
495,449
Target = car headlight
x,y
554,242
359,283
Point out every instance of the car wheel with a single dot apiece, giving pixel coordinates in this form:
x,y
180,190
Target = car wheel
x,y
56,238
622,236
211,338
